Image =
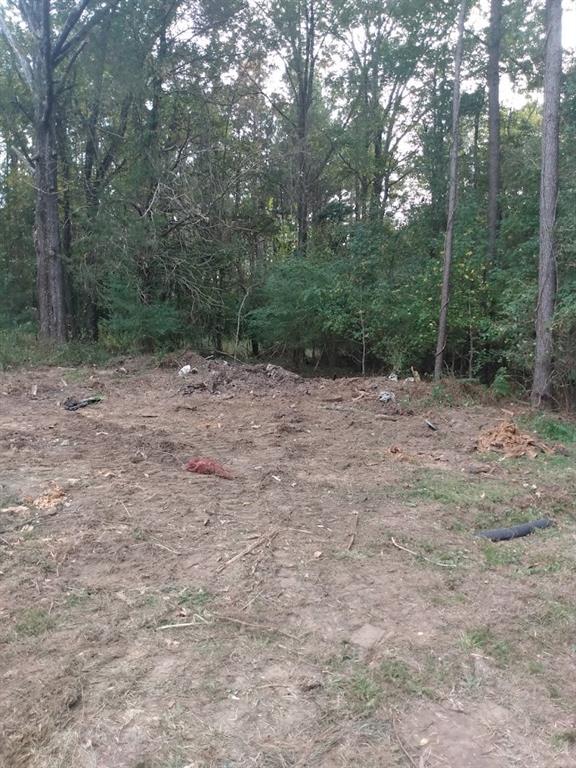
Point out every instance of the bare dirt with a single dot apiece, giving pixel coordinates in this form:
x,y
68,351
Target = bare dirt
x,y
329,606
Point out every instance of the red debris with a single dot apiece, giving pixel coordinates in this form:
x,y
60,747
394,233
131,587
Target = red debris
x,y
208,467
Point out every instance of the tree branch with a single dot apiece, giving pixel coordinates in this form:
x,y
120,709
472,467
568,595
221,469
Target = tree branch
x,y
69,24
24,67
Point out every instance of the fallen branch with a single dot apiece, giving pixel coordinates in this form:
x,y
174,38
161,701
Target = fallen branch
x,y
250,625
354,531
251,548
163,546
417,554
402,745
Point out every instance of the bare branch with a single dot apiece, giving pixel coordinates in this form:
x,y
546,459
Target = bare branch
x,y
62,49
69,24
23,64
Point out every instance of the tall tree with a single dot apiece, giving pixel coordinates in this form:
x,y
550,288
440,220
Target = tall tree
x,y
494,43
452,198
542,383
49,50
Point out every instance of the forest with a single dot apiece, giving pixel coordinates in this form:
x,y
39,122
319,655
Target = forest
x,y
358,184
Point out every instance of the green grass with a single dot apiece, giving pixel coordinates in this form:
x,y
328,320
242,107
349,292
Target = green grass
x,y
34,622
457,490
360,688
565,738
77,598
497,555
22,348
194,598
483,639
551,428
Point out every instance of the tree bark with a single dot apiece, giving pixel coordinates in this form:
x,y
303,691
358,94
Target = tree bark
x,y
50,274
452,199
303,63
494,39
542,382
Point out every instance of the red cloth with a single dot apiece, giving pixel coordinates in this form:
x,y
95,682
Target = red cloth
x,y
208,467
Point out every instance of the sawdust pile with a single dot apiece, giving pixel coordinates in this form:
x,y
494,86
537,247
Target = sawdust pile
x,y
507,438
50,498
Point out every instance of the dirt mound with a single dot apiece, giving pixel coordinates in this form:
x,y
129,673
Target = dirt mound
x,y
219,377
507,438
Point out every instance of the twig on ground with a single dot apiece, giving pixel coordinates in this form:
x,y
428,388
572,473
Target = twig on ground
x,y
163,546
417,554
30,521
231,620
433,427
262,540
250,625
402,745
184,624
352,538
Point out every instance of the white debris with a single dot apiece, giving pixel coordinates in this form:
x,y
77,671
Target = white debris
x,y
386,397
393,377
185,370
409,380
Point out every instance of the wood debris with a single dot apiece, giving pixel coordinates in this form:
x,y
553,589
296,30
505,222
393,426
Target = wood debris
x,y
507,438
50,498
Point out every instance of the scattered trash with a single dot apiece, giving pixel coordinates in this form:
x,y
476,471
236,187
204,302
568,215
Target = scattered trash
x,y
72,404
515,531
433,427
386,397
409,380
507,438
393,377
208,467
185,370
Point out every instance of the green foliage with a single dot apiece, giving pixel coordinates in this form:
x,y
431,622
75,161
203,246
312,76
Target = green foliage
x,y
137,322
501,385
182,178
22,347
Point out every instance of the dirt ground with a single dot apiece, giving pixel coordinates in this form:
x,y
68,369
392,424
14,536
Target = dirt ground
x,y
330,606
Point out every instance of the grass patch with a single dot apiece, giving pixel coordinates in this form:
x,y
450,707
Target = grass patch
x,y
360,688
77,598
507,517
22,348
551,428
458,490
497,555
565,738
483,639
194,598
34,622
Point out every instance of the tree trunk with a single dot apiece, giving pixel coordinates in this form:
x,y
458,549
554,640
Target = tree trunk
x,y
542,384
495,35
50,274
452,199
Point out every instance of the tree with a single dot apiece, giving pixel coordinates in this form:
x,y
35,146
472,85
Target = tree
x,y
48,51
452,198
494,41
542,382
